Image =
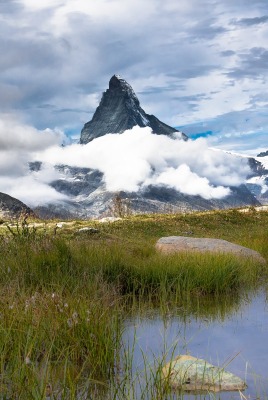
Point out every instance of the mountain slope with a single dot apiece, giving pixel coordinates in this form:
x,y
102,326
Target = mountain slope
x,y
88,197
257,182
12,208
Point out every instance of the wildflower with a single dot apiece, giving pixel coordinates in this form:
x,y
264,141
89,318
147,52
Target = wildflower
x,y
75,315
27,304
70,322
66,305
48,389
27,360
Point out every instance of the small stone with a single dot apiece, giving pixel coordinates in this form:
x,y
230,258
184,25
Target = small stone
x,y
193,374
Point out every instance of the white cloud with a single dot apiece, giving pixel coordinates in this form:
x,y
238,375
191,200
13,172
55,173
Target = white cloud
x,y
21,137
137,158
18,145
188,182
30,190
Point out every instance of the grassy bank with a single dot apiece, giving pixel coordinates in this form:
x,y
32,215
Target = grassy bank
x,y
64,294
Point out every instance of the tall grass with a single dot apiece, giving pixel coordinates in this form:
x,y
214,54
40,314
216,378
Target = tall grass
x,y
64,296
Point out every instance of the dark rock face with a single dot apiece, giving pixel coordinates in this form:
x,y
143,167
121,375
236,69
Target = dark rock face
x,y
35,166
13,208
239,196
257,169
258,178
120,110
85,181
263,154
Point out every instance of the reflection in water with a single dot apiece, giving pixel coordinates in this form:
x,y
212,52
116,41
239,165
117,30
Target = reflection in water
x,y
233,335
228,331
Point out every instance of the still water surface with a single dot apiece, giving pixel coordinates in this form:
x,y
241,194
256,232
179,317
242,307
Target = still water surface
x,y
239,339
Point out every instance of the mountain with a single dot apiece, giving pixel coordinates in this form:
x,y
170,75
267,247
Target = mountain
x,y
89,198
263,154
120,110
12,208
85,190
257,182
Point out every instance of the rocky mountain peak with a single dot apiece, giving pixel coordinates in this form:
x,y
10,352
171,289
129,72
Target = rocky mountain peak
x,y
118,83
120,110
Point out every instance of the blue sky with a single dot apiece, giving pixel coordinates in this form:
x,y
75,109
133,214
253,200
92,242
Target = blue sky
x,y
196,64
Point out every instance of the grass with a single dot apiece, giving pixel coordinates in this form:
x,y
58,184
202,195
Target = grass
x,y
65,295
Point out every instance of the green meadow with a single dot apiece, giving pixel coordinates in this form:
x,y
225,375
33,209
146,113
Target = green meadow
x,y
65,294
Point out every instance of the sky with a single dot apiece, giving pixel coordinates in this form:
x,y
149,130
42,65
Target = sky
x,y
200,65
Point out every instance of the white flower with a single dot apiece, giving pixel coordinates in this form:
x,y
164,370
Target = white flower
x,y
27,360
75,315
70,322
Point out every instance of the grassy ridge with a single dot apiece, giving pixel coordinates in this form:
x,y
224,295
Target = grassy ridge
x,y
64,295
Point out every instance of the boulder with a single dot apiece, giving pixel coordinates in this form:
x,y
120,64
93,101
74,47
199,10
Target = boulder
x,y
175,244
88,229
193,374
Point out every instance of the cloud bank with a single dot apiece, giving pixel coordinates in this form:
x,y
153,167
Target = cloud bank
x,y
137,158
18,146
130,161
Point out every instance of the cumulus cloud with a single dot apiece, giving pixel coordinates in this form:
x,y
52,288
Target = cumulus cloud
x,y
17,136
137,158
18,145
30,190
130,161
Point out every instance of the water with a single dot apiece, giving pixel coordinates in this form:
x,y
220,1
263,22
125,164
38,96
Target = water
x,y
238,340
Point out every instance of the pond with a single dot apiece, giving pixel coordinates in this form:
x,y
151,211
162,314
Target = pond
x,y
237,339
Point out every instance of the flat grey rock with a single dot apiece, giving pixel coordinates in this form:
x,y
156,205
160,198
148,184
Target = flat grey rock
x,y
174,244
193,374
